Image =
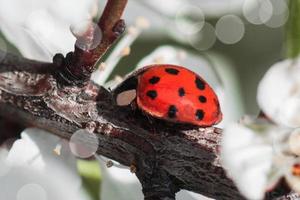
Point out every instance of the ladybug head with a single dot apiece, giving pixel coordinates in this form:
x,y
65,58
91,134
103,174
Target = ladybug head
x,y
125,93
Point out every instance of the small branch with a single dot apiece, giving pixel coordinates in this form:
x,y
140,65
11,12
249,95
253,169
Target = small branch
x,y
81,63
293,29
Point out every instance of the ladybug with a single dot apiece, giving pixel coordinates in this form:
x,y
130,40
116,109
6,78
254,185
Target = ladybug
x,y
172,93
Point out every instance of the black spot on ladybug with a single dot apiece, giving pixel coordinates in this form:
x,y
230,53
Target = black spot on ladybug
x,y
172,111
199,114
154,80
202,99
152,94
172,71
199,83
181,92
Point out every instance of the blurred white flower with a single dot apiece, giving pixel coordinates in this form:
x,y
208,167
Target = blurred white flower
x,y
31,165
279,93
292,175
24,183
41,28
294,142
256,154
247,157
188,195
119,182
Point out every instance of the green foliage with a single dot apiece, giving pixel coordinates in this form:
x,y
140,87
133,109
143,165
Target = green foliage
x,y
293,29
89,171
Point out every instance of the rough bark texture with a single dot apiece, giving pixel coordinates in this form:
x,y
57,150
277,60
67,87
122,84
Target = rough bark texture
x,y
59,97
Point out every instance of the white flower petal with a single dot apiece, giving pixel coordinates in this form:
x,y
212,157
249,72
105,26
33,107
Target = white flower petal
x,y
294,142
41,28
188,195
247,153
4,169
20,182
279,93
293,176
119,183
35,149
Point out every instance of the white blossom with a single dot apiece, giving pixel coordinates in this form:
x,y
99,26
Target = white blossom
x,y
31,164
41,28
279,93
248,153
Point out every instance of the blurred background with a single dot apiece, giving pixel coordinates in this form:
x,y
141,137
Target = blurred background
x,y
231,43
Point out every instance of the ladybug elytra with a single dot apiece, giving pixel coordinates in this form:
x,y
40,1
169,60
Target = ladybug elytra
x,y
173,93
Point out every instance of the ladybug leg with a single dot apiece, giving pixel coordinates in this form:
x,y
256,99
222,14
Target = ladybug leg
x,y
133,106
150,120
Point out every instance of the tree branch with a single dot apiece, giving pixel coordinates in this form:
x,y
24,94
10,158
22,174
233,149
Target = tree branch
x,y
16,63
166,159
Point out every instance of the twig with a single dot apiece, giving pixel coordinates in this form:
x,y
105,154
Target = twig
x,y
80,64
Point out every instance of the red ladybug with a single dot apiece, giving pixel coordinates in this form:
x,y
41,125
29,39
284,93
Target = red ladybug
x,y
173,93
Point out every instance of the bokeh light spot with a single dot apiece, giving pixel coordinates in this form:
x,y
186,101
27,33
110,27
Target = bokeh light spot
x,y
230,29
204,39
88,34
280,14
257,11
83,144
189,20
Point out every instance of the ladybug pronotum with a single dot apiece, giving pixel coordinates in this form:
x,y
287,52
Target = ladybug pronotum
x,y
171,93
